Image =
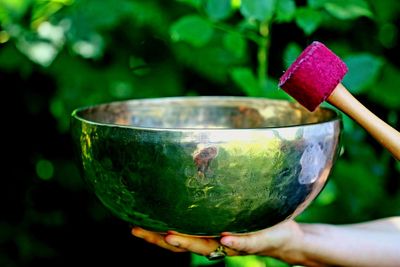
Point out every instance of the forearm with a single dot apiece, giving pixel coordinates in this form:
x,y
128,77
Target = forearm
x,y
349,245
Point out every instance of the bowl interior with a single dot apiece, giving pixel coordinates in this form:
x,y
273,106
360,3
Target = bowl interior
x,y
205,113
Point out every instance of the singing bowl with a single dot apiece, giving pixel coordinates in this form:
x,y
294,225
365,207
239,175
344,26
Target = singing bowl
x,y
204,165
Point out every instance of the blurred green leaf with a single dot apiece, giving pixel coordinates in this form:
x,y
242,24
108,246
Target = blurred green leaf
x,y
246,81
308,19
192,29
364,70
316,3
44,169
269,261
393,117
12,60
198,260
386,90
43,10
388,35
271,90
385,11
235,43
261,10
218,9
212,60
291,52
360,186
253,261
328,194
285,10
88,15
348,124
13,10
348,9
194,3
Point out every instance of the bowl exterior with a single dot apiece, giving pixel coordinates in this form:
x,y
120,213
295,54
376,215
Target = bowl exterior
x,y
204,182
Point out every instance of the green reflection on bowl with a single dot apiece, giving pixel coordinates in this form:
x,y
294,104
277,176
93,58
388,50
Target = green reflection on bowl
x,y
204,165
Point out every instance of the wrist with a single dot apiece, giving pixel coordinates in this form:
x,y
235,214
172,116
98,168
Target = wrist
x,y
299,249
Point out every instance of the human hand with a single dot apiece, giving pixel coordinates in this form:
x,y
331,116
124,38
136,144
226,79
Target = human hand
x,y
373,243
279,241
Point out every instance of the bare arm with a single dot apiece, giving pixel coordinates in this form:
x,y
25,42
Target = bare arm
x,y
368,244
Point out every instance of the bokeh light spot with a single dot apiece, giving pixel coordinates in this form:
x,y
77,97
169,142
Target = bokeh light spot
x,y
44,169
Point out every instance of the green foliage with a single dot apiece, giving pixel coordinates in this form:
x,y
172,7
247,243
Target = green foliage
x,y
245,78
292,51
345,9
285,10
308,19
99,51
364,70
44,169
258,9
251,261
218,9
192,29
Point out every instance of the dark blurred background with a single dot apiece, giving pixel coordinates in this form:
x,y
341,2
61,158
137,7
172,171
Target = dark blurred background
x,y
58,55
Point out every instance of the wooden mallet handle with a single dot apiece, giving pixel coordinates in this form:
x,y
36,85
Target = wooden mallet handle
x,y
316,76
386,135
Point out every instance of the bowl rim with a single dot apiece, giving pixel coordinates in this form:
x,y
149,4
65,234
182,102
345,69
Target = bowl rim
x,y
75,114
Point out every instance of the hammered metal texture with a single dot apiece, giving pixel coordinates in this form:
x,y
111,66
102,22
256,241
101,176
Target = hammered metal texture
x,y
204,165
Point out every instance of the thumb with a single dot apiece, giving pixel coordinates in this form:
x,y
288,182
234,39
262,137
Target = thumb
x,y
248,244
264,241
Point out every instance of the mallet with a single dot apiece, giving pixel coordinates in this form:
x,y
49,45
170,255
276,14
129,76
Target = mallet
x,y
316,76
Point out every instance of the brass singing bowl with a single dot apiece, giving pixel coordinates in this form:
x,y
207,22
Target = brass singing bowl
x,y
204,165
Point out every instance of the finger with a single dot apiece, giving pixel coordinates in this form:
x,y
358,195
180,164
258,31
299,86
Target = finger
x,y
249,244
264,240
198,245
155,238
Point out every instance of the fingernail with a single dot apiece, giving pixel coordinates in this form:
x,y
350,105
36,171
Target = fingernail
x,y
173,242
227,243
136,232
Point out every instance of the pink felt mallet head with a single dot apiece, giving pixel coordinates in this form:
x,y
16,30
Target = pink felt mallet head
x,y
313,76
316,75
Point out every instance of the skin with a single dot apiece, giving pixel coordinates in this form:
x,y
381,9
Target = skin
x,y
374,243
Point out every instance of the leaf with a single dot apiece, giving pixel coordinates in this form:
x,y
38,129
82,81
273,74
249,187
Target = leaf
x,y
387,91
359,183
271,90
235,43
218,9
348,9
212,60
253,260
327,195
13,9
194,3
285,10
290,54
192,29
198,260
261,10
270,261
387,10
363,71
316,3
246,80
308,19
